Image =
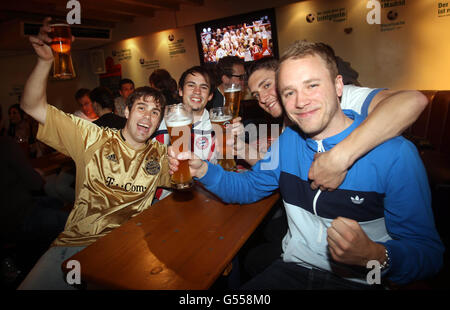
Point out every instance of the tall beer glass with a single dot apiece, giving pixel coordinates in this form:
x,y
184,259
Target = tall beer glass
x,y
233,98
61,44
220,118
179,120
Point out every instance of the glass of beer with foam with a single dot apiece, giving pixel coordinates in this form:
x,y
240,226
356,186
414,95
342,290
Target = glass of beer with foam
x,y
221,118
61,45
232,94
179,119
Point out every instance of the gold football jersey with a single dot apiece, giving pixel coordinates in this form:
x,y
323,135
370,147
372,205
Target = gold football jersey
x,y
114,182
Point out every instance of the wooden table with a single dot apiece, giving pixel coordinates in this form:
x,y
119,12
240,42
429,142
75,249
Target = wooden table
x,y
184,241
51,163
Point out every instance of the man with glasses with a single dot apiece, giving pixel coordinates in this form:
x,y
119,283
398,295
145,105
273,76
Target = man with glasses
x,y
230,69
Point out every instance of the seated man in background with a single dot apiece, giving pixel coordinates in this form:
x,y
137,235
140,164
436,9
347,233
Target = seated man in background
x,y
103,104
87,111
126,88
117,171
381,212
230,69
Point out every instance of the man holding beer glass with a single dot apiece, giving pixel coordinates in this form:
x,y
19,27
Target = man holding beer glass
x,y
381,213
117,171
195,89
231,71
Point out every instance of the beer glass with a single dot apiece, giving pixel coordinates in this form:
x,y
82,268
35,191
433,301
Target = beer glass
x,y
232,94
61,44
179,121
220,118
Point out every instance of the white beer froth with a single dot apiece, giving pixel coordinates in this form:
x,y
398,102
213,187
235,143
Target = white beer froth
x,y
178,121
220,119
232,90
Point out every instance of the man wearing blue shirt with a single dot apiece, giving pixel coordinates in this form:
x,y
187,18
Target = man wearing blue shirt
x,y
381,212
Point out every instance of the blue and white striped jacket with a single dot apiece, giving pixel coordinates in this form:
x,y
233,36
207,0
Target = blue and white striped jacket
x,y
386,191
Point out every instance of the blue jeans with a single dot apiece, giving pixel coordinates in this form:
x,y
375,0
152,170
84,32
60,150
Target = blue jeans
x,y
290,276
47,273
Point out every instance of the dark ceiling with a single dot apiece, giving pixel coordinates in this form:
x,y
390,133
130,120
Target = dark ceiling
x,y
94,13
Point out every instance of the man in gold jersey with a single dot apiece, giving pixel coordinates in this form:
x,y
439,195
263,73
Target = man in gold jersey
x,y
117,171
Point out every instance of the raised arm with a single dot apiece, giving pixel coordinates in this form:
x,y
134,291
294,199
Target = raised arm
x,y
390,113
34,99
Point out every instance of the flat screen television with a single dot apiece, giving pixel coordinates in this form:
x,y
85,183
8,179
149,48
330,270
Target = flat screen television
x,y
250,36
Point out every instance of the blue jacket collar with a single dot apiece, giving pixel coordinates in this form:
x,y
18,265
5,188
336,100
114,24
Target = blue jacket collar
x,y
330,142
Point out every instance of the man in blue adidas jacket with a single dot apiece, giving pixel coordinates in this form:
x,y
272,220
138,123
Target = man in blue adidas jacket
x,y
380,213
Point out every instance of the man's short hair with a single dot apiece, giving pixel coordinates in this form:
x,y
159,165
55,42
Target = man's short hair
x,y
225,65
125,81
301,49
81,93
145,92
103,96
267,63
198,70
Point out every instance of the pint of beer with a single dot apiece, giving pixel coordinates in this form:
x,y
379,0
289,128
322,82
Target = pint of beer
x,y
61,44
179,124
220,118
232,94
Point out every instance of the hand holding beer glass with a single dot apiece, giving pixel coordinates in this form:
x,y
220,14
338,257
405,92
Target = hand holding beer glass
x,y
179,121
232,94
61,37
221,118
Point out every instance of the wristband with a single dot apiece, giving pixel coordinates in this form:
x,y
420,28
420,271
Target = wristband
x,y
387,260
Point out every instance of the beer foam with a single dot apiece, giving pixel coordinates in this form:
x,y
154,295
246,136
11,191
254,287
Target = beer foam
x,y
232,90
57,25
176,121
222,118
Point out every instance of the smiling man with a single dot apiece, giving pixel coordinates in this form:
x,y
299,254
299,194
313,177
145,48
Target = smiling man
x,y
380,214
388,113
196,89
117,172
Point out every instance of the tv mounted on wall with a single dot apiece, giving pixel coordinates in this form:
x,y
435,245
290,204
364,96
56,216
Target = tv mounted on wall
x,y
250,36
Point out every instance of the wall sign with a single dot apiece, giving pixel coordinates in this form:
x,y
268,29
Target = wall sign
x,y
149,64
176,47
443,9
334,15
124,54
391,11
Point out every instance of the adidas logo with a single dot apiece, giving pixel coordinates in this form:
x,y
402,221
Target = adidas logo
x,y
356,200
